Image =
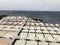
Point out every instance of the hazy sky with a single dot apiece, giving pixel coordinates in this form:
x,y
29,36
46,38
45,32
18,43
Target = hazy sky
x,y
34,5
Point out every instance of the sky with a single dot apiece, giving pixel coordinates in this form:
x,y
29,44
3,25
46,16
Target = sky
x,y
30,5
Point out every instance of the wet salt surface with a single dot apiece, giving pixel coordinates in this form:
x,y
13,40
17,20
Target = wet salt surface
x,y
4,41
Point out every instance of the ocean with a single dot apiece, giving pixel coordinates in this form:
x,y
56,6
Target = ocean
x,y
46,16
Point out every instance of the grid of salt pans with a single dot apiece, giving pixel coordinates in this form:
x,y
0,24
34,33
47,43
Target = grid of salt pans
x,y
10,27
38,33
13,20
17,30
37,39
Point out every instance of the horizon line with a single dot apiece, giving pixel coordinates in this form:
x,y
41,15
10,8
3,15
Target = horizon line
x,y
29,10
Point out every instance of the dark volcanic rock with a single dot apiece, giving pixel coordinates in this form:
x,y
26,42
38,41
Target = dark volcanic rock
x,y
38,20
1,16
